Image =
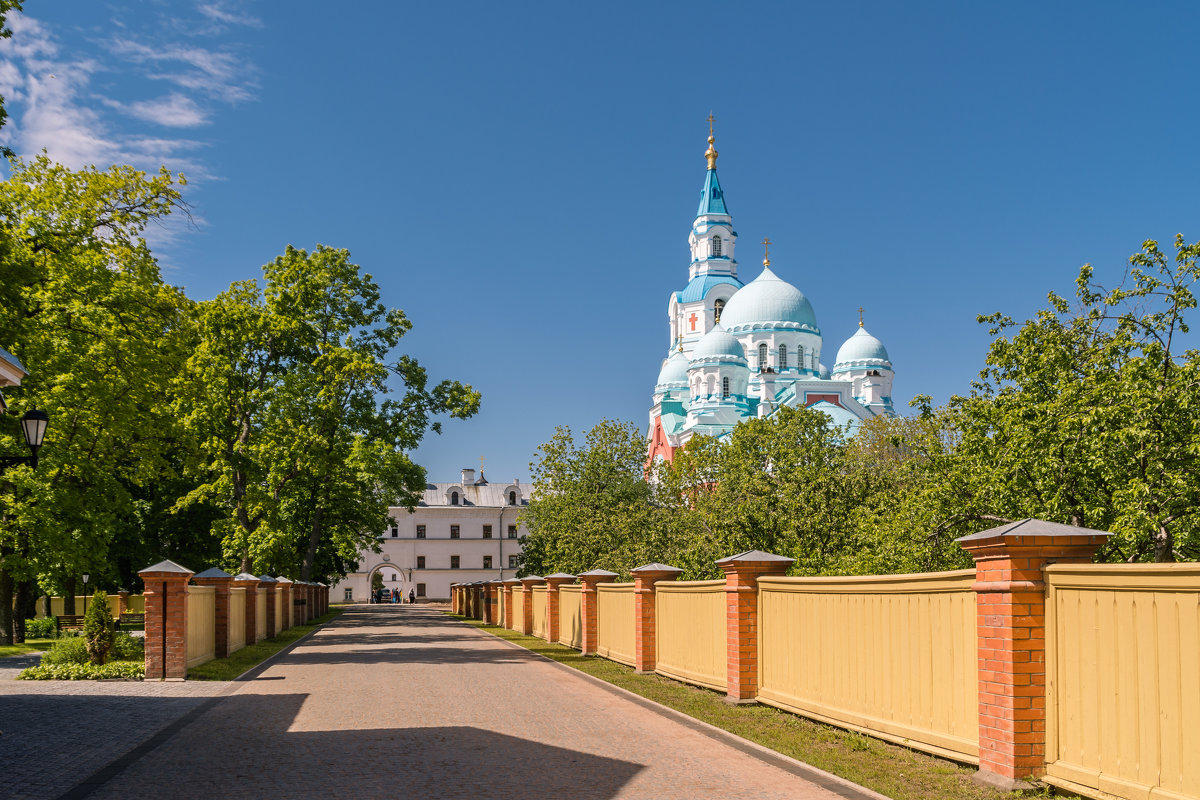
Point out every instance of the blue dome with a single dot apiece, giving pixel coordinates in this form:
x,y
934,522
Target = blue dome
x,y
860,351
768,302
674,372
719,345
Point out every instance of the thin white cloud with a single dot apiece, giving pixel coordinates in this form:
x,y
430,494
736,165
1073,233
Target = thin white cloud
x,y
172,111
218,74
219,12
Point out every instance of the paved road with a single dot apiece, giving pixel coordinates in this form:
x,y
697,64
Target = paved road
x,y
403,702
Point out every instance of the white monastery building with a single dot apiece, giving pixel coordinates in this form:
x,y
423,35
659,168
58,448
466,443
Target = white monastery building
x,y
739,351
457,533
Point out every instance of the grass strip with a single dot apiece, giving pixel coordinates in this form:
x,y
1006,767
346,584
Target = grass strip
x,y
889,769
226,669
30,646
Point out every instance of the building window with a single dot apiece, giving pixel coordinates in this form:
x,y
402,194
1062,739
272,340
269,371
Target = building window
x,y
512,562
394,576
716,245
762,357
799,358
487,562
453,531
454,498
348,595
512,498
420,590
783,356
512,531
420,562
724,387
487,531
395,531
453,562
420,531
718,307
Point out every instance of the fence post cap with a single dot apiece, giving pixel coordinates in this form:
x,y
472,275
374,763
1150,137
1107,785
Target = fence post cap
x,y
165,569
511,580
283,580
755,556
1033,529
597,573
215,572
266,579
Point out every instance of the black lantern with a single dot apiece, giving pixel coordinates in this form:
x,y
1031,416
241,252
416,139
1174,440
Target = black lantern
x,y
33,426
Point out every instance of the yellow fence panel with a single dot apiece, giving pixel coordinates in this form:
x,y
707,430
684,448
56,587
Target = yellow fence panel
x,y
201,624
135,603
1123,679
892,655
260,614
539,612
570,618
614,622
278,609
518,607
237,618
690,632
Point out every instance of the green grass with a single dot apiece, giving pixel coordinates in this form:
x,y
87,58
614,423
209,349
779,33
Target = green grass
x,y
889,769
226,669
30,646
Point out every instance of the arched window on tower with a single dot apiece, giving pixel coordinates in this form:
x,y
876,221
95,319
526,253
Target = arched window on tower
x,y
762,357
716,245
800,357
782,356
718,307
454,498
512,498
724,388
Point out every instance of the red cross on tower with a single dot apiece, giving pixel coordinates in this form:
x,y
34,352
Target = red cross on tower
x,y
692,319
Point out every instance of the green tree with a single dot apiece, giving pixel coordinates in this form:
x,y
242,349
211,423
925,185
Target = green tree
x,y
87,312
289,395
99,630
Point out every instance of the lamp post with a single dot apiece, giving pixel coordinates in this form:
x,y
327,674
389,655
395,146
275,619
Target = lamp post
x,y
33,426
85,580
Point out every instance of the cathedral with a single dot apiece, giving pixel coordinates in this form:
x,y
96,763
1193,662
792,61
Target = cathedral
x,y
744,350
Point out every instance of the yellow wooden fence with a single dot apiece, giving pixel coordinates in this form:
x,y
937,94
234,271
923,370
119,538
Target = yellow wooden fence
x,y
690,631
614,622
135,604
892,655
570,620
539,612
260,614
1123,679
201,624
518,594
237,618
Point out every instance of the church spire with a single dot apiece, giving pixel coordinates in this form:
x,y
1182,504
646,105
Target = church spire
x,y
711,152
712,199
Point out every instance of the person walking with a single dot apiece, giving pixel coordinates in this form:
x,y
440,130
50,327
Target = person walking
x,y
412,595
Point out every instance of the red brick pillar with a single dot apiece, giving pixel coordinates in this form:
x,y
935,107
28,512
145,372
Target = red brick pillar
x,y
645,651
509,618
250,583
166,620
268,584
1011,618
310,602
529,581
589,619
222,582
122,602
552,583
324,600
741,619
286,597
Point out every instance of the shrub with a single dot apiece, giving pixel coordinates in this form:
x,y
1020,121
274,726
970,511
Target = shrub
x,y
67,650
128,648
40,628
83,672
99,629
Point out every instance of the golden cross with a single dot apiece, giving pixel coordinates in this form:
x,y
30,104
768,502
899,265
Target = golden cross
x,y
766,251
481,466
860,310
711,120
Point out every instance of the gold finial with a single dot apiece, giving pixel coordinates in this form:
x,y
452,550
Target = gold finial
x,y
679,341
766,252
711,152
860,310
481,466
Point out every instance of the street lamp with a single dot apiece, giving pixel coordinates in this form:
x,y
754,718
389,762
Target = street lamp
x,y
85,580
33,426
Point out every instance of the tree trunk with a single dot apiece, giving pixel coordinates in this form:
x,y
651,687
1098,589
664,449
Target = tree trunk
x,y
6,606
26,608
47,605
1164,545
69,596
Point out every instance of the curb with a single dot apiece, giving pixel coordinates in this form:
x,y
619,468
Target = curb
x,y
819,777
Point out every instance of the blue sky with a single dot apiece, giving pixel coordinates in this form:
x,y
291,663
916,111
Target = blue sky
x,y
521,178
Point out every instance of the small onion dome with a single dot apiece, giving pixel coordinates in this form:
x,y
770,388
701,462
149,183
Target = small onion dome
x,y
673,374
769,303
861,351
718,346
823,372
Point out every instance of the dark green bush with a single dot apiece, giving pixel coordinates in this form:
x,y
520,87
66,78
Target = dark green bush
x,y
40,628
99,628
67,650
83,672
128,648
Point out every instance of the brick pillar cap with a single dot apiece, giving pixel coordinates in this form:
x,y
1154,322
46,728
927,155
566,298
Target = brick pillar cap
x,y
266,579
283,580
246,577
1030,531
122,591
656,568
496,583
756,557
215,572
532,580
598,573
559,577
166,569
511,580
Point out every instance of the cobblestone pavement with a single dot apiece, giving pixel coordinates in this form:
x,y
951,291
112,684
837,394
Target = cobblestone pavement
x,y
395,702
